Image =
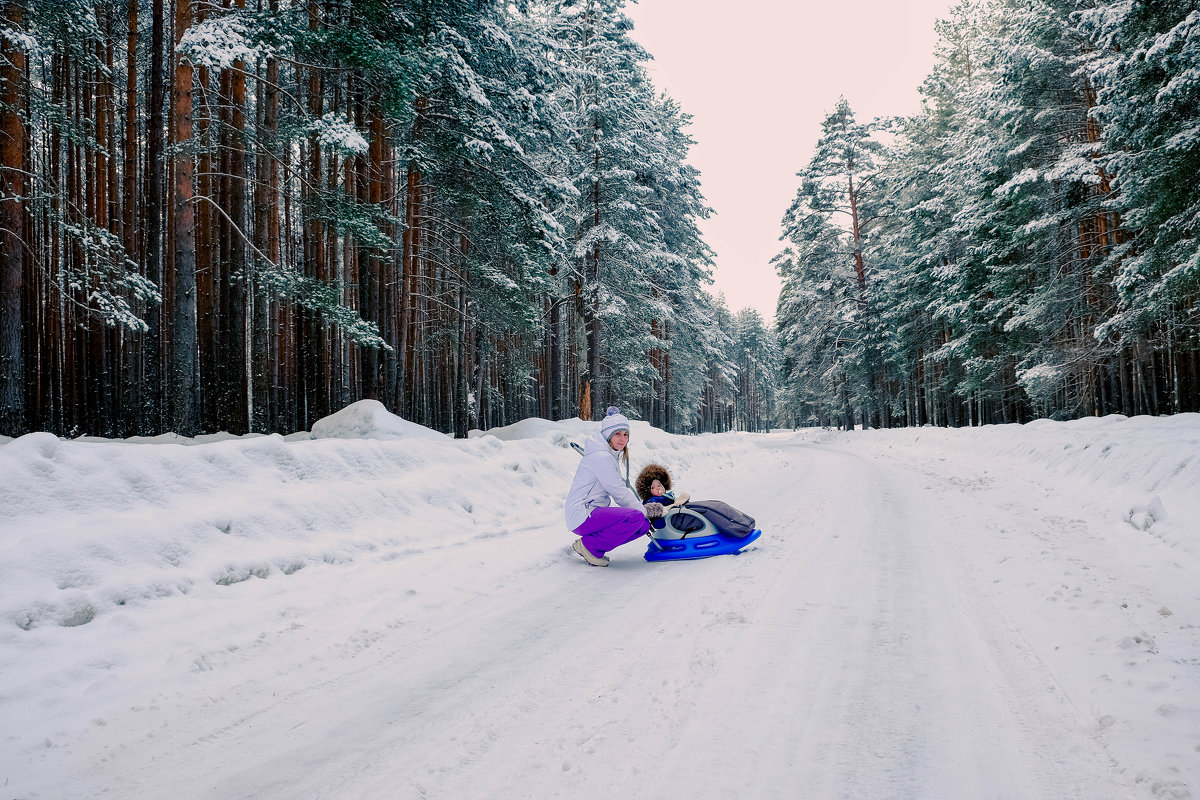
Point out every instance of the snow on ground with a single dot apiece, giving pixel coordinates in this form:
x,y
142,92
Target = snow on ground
x,y
376,610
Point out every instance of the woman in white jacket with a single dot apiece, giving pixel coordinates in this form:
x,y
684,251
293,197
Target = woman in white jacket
x,y
602,527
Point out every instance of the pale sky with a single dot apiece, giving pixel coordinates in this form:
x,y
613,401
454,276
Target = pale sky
x,y
758,77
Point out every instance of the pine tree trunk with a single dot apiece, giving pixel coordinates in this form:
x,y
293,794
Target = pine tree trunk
x,y
668,417
265,205
76,372
371,194
597,379
53,378
462,380
130,237
312,350
12,230
238,313
208,182
557,401
152,416
114,410
413,213
129,204
182,388
349,386
330,350
389,264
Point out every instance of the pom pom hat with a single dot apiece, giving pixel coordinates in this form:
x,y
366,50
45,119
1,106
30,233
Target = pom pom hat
x,y
615,421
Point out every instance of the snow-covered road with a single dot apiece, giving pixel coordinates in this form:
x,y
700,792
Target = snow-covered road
x,y
911,625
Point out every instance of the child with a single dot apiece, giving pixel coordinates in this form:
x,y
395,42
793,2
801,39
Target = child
x,y
597,484
654,486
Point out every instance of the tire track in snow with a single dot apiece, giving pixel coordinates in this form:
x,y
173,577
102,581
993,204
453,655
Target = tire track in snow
x,y
874,669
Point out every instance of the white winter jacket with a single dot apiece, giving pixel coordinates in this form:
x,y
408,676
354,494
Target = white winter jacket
x,y
597,482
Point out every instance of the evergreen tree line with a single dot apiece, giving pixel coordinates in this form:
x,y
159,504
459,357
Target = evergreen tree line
x,y
243,215
1024,247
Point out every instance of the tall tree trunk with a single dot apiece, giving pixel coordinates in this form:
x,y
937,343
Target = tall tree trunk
x,y
130,237
76,370
12,229
598,395
413,213
112,410
556,355
153,219
463,371
241,409
312,349
668,417
210,359
54,380
130,161
369,276
181,390
266,236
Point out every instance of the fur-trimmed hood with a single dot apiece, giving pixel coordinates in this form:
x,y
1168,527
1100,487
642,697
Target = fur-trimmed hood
x,y
647,476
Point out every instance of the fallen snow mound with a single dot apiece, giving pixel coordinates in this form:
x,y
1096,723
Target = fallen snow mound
x,y
532,428
573,427
368,419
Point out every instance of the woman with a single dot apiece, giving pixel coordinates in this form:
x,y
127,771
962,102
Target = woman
x,y
598,483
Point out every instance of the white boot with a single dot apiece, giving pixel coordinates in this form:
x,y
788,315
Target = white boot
x,y
578,547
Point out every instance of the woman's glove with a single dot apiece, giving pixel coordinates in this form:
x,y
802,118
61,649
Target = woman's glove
x,y
681,498
653,510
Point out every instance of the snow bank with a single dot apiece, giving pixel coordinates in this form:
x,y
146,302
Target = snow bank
x,y
532,428
91,527
1143,470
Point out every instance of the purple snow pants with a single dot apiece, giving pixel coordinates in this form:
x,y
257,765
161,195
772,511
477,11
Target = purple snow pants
x,y
606,528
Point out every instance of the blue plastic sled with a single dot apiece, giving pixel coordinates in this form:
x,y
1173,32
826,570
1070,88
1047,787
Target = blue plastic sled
x,y
686,534
718,544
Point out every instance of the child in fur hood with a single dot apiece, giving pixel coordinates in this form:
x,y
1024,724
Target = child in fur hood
x,y
653,485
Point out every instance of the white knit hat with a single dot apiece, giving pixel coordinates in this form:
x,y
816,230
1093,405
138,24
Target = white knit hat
x,y
615,421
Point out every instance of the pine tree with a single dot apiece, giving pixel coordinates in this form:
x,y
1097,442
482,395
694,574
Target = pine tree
x,y
839,180
817,320
755,350
1142,69
617,139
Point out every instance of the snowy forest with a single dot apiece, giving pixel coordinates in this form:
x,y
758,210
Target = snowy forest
x,y
1025,247
244,215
